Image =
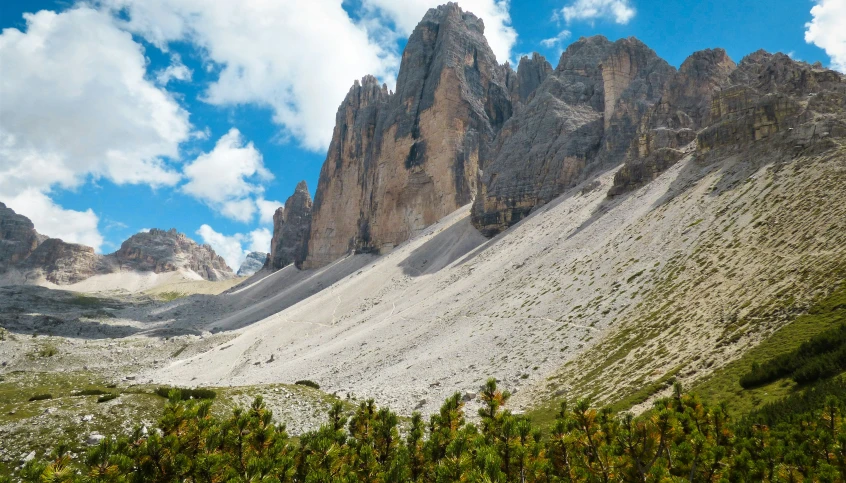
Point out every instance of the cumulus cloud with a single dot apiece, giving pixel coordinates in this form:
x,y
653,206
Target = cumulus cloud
x,y
558,40
266,209
260,240
175,71
79,105
52,220
298,58
618,11
231,247
228,247
228,177
827,32
406,15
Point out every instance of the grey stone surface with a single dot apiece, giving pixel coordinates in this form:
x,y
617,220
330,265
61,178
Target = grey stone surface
x,y
62,263
291,230
254,262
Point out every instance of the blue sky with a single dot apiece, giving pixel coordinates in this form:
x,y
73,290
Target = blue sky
x,y
203,116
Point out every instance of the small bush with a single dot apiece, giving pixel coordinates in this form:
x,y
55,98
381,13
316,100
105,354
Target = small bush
x,y
820,357
106,397
171,296
186,394
48,350
86,301
308,383
41,397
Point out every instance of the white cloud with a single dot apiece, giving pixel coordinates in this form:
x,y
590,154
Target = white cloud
x,y
618,11
228,247
407,14
260,240
298,58
52,220
228,177
232,247
827,32
266,209
76,103
79,104
175,71
558,40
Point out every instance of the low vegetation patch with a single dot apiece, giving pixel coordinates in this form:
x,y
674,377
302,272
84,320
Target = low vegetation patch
x,y
821,357
41,397
724,385
308,383
86,301
185,394
171,296
106,397
47,350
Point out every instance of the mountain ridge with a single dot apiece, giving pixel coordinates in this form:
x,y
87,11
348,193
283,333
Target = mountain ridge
x,y
510,142
26,254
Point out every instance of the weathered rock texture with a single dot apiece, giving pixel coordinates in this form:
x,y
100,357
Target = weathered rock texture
x,y
24,250
400,161
773,97
581,118
291,230
669,128
66,263
531,72
721,106
18,238
255,261
167,251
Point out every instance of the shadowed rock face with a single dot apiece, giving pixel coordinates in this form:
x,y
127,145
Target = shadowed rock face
x,y
18,238
24,250
66,263
400,161
581,118
291,229
773,97
671,125
531,72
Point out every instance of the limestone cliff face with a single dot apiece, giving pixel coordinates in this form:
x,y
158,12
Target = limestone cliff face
x,y
773,97
291,230
167,251
581,118
18,238
671,125
531,72
400,161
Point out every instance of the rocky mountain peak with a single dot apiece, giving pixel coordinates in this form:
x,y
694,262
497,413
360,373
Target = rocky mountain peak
x,y
581,118
18,238
168,250
291,229
254,262
399,162
531,72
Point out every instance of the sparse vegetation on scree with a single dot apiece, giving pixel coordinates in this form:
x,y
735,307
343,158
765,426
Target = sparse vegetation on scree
x,y
680,439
